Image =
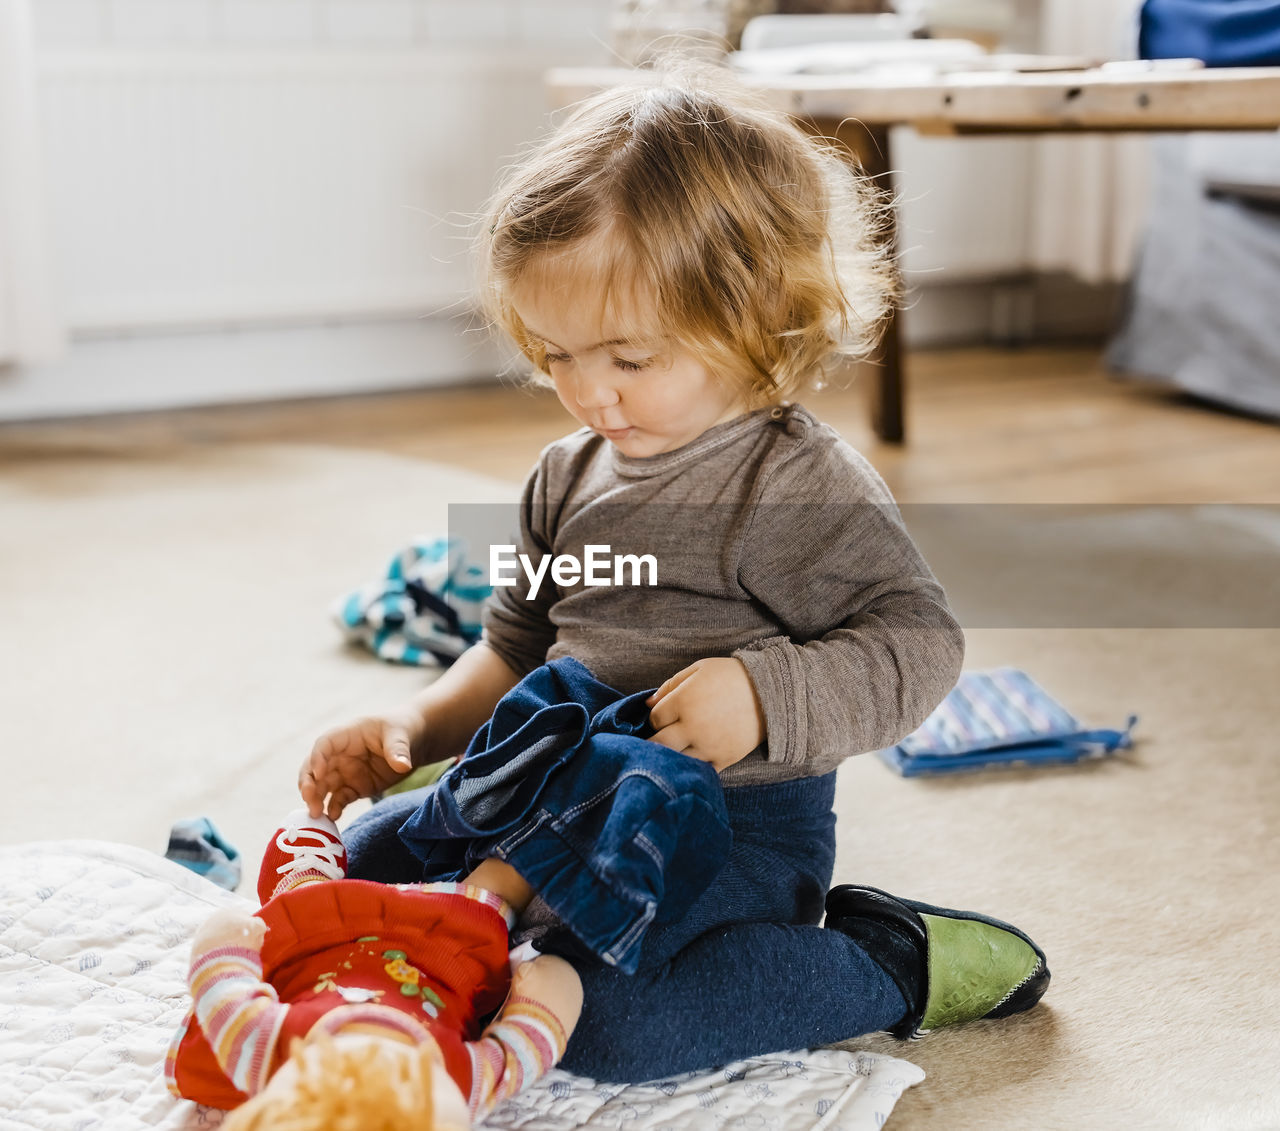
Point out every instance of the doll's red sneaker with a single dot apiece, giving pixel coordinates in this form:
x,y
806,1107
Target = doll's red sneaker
x,y
304,850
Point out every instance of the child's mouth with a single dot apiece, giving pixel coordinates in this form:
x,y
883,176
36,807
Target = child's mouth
x,y
614,434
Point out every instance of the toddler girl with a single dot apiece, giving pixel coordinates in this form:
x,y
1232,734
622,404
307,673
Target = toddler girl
x,y
679,264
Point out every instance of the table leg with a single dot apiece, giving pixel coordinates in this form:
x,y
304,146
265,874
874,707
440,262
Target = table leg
x,y
870,145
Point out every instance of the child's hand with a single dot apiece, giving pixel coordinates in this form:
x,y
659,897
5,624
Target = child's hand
x,y
359,760
709,711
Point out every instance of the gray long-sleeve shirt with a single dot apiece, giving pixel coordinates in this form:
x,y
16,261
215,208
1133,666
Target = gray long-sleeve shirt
x,y
776,543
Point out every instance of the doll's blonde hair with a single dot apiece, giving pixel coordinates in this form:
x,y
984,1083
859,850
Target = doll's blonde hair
x,y
753,245
377,1085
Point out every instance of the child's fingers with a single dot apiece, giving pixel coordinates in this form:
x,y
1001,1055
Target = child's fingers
x,y
673,736
339,799
310,789
319,776
670,685
664,714
395,750
316,767
311,797
718,761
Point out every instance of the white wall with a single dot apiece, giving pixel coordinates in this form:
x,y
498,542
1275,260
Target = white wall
x,y
219,23
216,161
195,187
273,189
235,181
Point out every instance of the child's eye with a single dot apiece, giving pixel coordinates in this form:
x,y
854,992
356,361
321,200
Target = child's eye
x,y
630,366
557,358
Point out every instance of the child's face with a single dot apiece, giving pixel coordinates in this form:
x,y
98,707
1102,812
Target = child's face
x,y
644,397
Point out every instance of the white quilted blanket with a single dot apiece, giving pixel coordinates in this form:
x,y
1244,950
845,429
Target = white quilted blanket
x,y
93,953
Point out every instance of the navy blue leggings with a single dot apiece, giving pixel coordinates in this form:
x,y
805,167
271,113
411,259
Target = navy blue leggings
x,y
746,972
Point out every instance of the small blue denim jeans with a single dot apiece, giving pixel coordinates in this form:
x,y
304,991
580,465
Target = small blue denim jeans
x,y
746,970
614,832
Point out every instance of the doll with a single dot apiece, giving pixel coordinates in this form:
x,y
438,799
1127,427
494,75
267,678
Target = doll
x,y
343,1004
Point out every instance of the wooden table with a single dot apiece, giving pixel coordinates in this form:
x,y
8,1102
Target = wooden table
x,y
860,110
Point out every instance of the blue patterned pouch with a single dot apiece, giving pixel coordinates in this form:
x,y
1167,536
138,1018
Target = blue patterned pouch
x,y
1000,718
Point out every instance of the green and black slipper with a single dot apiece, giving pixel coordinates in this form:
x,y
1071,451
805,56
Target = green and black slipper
x,y
973,967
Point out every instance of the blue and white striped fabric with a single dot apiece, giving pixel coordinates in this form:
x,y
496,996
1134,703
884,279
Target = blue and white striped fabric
x,y
425,610
1000,717
986,709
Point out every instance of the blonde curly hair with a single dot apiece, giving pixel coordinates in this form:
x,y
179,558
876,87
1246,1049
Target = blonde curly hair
x,y
690,203
376,1085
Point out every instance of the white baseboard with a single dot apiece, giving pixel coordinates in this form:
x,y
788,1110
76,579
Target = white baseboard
x,y
154,371
1010,311
142,372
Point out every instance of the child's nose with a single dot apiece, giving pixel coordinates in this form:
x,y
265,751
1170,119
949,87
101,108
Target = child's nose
x,y
595,392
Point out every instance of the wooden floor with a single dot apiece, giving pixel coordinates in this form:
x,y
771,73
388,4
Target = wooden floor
x,y
1031,425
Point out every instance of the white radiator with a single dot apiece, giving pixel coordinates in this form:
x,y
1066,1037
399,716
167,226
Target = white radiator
x,y
202,188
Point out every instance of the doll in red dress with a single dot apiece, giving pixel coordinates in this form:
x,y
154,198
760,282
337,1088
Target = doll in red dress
x,y
345,1004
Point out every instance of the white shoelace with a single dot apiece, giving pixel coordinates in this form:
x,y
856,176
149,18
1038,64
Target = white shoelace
x,y
321,858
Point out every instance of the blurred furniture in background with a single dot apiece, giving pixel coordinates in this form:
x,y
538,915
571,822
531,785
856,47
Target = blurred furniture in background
x,y
1202,306
1220,33
1201,310
642,30
860,109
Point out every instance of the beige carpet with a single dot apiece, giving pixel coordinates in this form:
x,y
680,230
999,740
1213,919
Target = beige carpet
x,y
166,652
